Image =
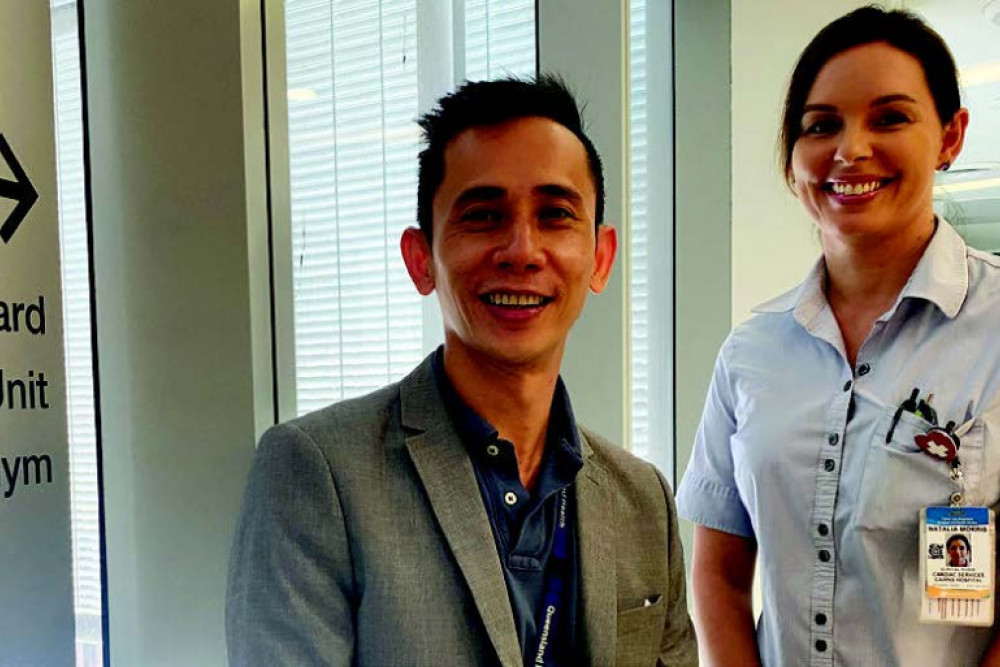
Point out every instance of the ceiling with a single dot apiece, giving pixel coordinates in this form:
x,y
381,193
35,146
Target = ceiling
x,y
969,194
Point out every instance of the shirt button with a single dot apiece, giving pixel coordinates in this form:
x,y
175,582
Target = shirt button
x,y
833,439
830,465
823,529
820,619
863,369
492,450
824,555
510,498
820,645
957,498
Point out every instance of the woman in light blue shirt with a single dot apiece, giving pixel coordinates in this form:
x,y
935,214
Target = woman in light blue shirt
x,y
801,465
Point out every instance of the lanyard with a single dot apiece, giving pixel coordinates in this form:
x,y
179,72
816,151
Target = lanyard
x,y
555,585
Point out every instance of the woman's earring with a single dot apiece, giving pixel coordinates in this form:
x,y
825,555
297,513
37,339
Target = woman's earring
x,y
945,166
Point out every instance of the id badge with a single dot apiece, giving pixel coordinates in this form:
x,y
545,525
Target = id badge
x,y
957,565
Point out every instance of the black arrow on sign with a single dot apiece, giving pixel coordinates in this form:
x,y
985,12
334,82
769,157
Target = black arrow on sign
x,y
20,190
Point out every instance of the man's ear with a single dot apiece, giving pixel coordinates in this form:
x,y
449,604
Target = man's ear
x,y
604,257
417,257
954,137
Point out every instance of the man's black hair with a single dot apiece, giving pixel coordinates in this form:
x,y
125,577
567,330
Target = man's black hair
x,y
484,103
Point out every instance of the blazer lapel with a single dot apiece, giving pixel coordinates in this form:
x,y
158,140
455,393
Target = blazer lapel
x,y
446,473
595,521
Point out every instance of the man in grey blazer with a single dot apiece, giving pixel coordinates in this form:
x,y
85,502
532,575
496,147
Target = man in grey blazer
x,y
460,516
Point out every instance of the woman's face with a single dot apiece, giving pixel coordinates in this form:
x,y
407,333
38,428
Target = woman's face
x,y
958,554
871,141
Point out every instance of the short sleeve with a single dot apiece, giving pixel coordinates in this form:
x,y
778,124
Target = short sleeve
x,y
708,495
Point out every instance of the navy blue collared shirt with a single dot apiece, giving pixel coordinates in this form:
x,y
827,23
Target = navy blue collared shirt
x,y
524,523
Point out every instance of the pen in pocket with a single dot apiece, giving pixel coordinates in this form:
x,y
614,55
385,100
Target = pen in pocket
x,y
909,405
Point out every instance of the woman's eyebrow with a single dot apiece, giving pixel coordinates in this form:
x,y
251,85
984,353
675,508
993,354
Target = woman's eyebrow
x,y
818,107
889,99
877,102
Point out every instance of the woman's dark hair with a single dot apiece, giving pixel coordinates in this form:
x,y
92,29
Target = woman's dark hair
x,y
958,537
901,29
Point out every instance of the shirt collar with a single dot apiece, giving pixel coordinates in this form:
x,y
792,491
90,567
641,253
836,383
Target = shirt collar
x,y
472,429
476,433
940,277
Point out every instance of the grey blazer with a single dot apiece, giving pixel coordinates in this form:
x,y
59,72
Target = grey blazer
x,y
364,541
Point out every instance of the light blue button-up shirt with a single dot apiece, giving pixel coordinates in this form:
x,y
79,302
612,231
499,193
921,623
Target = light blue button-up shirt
x,y
792,451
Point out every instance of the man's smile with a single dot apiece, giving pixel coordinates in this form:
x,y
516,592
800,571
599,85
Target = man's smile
x,y
515,299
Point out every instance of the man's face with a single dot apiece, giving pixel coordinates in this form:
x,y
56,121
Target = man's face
x,y
515,247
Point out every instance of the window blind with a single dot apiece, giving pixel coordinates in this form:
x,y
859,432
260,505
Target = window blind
x,y
352,78
499,38
84,495
353,143
638,232
650,245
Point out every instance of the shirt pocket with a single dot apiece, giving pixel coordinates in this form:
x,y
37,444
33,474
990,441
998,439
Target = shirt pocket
x,y
639,633
900,479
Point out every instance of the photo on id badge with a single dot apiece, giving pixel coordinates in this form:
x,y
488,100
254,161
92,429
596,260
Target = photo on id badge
x,y
957,565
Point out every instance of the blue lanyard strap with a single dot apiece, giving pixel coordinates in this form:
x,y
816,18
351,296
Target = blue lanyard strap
x,y
555,585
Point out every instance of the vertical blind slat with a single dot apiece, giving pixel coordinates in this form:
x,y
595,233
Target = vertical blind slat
x,y
353,147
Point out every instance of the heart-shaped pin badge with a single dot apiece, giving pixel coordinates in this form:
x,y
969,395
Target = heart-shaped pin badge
x,y
937,443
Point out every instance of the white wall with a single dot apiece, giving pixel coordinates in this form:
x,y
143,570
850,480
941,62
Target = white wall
x,y
773,240
702,246
172,217
588,49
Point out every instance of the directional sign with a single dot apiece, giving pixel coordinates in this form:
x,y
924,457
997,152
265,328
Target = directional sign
x,y
36,595
20,190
